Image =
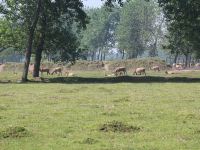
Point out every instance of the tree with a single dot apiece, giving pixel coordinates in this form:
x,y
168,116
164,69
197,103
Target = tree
x,y
12,36
63,45
99,37
37,14
27,14
157,30
61,22
111,3
184,16
135,27
177,44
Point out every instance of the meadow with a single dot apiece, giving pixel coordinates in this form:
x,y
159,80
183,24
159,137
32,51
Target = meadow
x,y
78,113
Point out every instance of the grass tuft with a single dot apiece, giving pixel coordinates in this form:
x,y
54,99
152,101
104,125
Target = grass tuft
x,y
89,141
116,126
123,99
14,132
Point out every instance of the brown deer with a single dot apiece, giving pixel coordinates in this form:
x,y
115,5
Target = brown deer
x,y
31,68
57,70
155,68
139,71
47,70
120,71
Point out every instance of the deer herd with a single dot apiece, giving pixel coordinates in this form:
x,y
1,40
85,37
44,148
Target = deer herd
x,y
117,71
174,68
51,71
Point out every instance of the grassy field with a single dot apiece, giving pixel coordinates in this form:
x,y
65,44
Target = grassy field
x,y
113,116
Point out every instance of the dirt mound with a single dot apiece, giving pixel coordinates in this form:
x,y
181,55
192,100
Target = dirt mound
x,y
11,67
87,65
111,65
94,65
116,126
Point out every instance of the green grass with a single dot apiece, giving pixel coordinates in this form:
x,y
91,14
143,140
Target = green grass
x,y
45,116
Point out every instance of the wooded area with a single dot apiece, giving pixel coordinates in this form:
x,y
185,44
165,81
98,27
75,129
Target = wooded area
x,y
121,76
66,31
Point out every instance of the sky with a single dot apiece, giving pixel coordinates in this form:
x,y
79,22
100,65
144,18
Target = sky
x,y
92,3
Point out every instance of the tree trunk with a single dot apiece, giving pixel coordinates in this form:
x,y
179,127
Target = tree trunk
x,y
190,60
93,55
186,59
154,51
101,56
104,56
99,52
123,53
132,55
38,57
38,53
175,58
30,42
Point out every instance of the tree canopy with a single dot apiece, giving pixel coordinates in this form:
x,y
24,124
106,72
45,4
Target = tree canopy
x,y
184,17
37,18
135,32
99,35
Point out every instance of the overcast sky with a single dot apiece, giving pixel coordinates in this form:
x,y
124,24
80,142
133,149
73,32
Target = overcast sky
x,y
92,3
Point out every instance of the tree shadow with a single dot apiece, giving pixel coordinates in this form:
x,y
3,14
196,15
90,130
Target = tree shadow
x,y
123,79
109,80
5,81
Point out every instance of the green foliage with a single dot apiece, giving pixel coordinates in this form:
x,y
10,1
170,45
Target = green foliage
x,y
177,43
61,38
60,30
137,19
12,35
58,20
133,34
112,3
99,35
184,16
64,46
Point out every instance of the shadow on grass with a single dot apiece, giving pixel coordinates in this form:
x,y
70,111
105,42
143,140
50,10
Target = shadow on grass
x,y
122,79
5,81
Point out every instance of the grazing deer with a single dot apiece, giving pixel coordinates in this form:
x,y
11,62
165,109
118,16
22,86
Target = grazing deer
x,y
57,70
47,70
140,71
178,66
120,71
155,68
197,65
31,68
